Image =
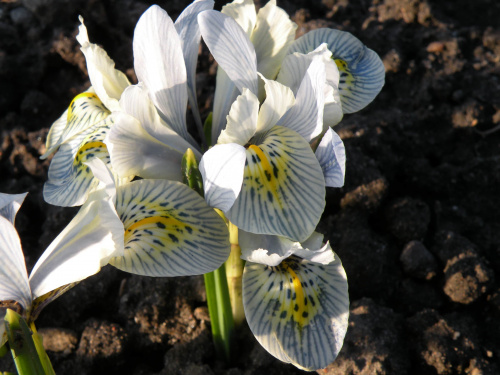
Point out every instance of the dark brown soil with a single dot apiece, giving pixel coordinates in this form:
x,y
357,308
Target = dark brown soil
x,y
417,224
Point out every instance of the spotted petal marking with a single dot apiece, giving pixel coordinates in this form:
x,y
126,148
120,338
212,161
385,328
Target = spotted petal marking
x,y
298,310
85,110
362,73
283,190
169,230
70,180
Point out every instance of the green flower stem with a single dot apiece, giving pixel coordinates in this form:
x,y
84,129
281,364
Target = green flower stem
x,y
42,354
218,301
234,273
23,348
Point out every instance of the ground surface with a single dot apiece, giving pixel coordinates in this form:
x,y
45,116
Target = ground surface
x,y
417,224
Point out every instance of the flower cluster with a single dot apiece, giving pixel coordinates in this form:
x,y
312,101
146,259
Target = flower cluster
x,y
270,154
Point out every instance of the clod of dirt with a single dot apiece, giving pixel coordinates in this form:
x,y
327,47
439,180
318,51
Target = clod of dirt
x,y
417,261
408,219
368,195
59,340
467,276
101,340
373,344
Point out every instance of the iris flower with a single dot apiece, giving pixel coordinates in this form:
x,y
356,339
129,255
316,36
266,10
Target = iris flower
x,y
295,297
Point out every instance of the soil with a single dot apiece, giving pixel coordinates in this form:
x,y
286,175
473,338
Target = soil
x,y
417,224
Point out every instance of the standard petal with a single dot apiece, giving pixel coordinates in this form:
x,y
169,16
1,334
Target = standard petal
x,y
10,204
242,120
190,35
243,12
362,73
225,95
273,34
107,81
265,249
169,230
331,157
159,64
13,276
306,116
283,190
222,170
279,99
298,311
134,152
222,34
85,110
93,236
70,180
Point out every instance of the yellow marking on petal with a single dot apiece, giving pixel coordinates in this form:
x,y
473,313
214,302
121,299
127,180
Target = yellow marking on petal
x,y
89,95
346,77
157,221
271,179
97,146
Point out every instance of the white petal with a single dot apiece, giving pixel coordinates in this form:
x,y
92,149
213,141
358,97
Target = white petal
x,y
273,34
159,64
362,73
265,249
242,120
225,95
13,276
283,190
169,230
93,236
222,34
189,34
222,170
107,81
279,99
331,157
134,152
104,175
10,204
243,12
298,311
85,111
306,116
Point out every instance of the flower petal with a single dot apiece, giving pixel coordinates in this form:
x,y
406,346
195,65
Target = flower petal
x,y
306,116
10,204
70,180
221,34
14,284
93,236
331,157
279,99
265,249
169,230
273,34
222,170
242,120
190,35
159,64
107,81
134,152
243,12
298,311
85,110
362,72
283,190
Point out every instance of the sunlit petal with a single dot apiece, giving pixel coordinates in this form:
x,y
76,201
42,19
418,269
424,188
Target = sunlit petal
x,y
169,230
93,236
283,190
159,64
298,311
189,35
243,12
331,157
85,111
10,204
362,72
13,276
279,99
134,152
273,34
242,120
107,81
265,249
221,34
222,170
